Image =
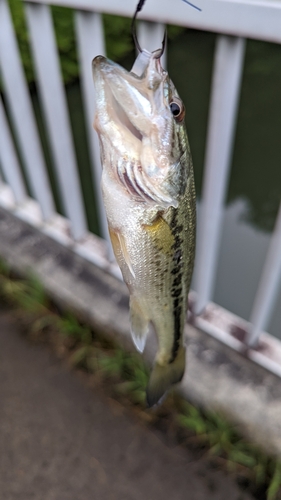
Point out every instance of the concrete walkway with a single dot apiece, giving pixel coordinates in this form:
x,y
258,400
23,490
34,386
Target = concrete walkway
x,y
60,440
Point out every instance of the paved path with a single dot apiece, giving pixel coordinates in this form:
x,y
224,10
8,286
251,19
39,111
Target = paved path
x,y
60,440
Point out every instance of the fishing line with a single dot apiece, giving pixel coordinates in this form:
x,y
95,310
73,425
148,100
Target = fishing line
x,y
133,30
189,3
133,25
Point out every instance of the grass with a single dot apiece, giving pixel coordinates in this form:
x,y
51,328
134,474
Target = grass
x,y
124,376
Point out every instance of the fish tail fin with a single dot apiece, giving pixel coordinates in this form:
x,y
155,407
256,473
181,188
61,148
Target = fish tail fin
x,y
139,324
163,376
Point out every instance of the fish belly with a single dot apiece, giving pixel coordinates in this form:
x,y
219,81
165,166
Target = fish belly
x,y
154,249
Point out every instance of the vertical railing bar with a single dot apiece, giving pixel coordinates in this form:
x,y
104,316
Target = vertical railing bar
x,y
150,36
54,104
226,83
90,41
19,103
267,291
9,159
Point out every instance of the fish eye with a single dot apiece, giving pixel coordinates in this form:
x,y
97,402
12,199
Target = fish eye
x,y
177,109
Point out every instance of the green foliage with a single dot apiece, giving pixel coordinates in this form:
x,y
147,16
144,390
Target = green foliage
x,y
31,294
28,294
117,36
115,364
192,419
275,483
222,439
242,457
80,357
17,13
4,269
41,323
64,29
130,372
71,327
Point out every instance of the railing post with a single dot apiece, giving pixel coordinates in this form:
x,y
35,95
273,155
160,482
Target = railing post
x,y
19,103
54,103
90,40
9,159
268,286
226,82
150,36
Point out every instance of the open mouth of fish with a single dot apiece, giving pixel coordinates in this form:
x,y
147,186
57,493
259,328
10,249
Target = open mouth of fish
x,y
128,104
123,119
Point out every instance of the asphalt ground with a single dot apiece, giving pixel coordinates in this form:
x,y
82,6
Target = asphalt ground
x,y
62,440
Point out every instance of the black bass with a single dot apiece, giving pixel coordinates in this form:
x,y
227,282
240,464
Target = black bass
x,y
149,197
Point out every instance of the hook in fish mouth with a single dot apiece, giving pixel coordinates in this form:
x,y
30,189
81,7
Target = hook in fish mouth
x,y
157,53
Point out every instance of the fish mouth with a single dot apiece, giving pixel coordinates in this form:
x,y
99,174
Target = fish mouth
x,y
105,71
123,98
124,120
115,83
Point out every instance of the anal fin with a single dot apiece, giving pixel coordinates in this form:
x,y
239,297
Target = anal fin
x,y
139,324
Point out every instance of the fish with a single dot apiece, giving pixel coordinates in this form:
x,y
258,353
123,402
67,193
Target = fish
x,y
149,197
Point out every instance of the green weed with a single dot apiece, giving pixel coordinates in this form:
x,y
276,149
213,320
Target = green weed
x,y
128,376
275,483
70,327
26,293
223,440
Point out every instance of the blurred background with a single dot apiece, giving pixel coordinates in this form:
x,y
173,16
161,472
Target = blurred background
x,y
253,194
48,411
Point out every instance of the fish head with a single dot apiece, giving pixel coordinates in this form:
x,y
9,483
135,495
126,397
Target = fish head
x,y
140,123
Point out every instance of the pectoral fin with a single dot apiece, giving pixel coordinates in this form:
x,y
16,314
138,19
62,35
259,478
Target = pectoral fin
x,y
119,246
139,324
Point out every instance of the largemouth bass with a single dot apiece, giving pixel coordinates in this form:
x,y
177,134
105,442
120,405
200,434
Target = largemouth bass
x,y
149,197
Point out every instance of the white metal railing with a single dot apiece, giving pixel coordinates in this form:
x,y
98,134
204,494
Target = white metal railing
x,y
227,74
20,107
53,99
248,18
10,162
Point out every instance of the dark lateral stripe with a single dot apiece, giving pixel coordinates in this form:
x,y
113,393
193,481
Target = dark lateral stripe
x,y
176,291
177,329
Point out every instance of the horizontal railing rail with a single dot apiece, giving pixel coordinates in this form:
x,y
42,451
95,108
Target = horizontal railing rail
x,y
241,19
248,18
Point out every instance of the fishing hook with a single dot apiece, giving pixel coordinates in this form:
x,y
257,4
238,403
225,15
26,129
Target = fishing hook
x,y
134,34
133,28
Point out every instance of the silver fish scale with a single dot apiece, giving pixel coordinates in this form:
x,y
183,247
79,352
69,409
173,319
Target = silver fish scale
x,y
149,197
171,276
160,272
